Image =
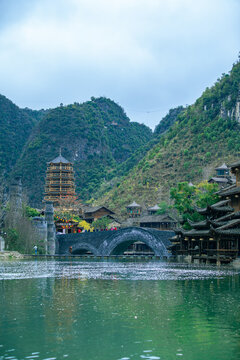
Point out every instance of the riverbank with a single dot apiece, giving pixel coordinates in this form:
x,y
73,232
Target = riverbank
x,y
7,255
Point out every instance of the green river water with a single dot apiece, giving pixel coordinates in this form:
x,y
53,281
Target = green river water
x,y
116,310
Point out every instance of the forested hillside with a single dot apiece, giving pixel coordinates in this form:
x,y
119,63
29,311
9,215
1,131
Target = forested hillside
x,y
204,135
114,176
96,136
15,127
115,160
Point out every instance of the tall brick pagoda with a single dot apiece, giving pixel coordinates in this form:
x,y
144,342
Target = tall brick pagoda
x,y
59,180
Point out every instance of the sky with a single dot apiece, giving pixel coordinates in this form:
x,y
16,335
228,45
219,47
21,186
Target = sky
x,y
146,55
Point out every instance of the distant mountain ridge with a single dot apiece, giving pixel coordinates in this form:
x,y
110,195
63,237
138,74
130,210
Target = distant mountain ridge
x,y
203,135
117,161
15,128
96,136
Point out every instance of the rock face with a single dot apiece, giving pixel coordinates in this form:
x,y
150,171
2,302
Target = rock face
x,y
230,111
237,108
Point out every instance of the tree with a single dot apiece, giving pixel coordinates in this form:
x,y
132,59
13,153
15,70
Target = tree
x,y
21,235
85,225
102,223
206,194
30,212
164,208
186,197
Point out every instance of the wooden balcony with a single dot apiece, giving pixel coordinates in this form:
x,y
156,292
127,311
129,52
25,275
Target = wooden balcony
x,y
60,192
60,168
58,183
58,171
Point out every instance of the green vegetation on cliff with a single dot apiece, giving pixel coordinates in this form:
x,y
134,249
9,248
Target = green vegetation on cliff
x,y
204,135
114,176
168,120
96,136
15,128
117,161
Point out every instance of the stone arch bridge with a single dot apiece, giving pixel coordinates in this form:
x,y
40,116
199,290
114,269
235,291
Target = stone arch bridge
x,y
106,243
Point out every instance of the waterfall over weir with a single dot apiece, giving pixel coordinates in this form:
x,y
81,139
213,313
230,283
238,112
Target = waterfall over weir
x,y
107,243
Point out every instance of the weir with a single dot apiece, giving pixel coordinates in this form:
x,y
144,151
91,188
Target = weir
x,y
110,243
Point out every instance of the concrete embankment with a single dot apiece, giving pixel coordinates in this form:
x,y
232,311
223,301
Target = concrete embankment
x,y
8,255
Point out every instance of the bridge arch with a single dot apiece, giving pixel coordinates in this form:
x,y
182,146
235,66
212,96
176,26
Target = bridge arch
x,y
125,237
105,243
80,247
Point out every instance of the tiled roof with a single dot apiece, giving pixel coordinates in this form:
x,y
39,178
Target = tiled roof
x,y
218,207
155,207
96,208
222,167
218,179
198,225
217,223
197,233
229,224
156,218
233,215
133,204
219,203
228,231
235,164
219,192
59,159
232,191
223,209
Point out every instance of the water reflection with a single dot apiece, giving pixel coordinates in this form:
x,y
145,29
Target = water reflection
x,y
80,310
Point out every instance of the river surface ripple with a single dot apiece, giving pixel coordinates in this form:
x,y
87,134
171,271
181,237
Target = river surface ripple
x,y
119,310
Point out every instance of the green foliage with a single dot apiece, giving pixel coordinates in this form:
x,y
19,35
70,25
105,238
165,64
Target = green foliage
x,y
114,159
203,136
168,120
206,194
164,208
186,197
12,240
102,223
30,212
16,126
183,196
20,233
96,136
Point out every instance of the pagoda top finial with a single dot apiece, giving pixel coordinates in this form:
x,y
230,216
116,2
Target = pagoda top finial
x,y
60,151
59,159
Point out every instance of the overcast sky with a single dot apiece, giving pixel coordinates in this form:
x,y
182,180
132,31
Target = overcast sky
x,y
147,55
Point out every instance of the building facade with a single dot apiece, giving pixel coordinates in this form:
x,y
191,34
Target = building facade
x,y
134,210
216,239
59,182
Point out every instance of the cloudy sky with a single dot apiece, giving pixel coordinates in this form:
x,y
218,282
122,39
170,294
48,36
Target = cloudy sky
x,y
147,55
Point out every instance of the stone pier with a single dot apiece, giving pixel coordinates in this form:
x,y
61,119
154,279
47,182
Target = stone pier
x,y
49,216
